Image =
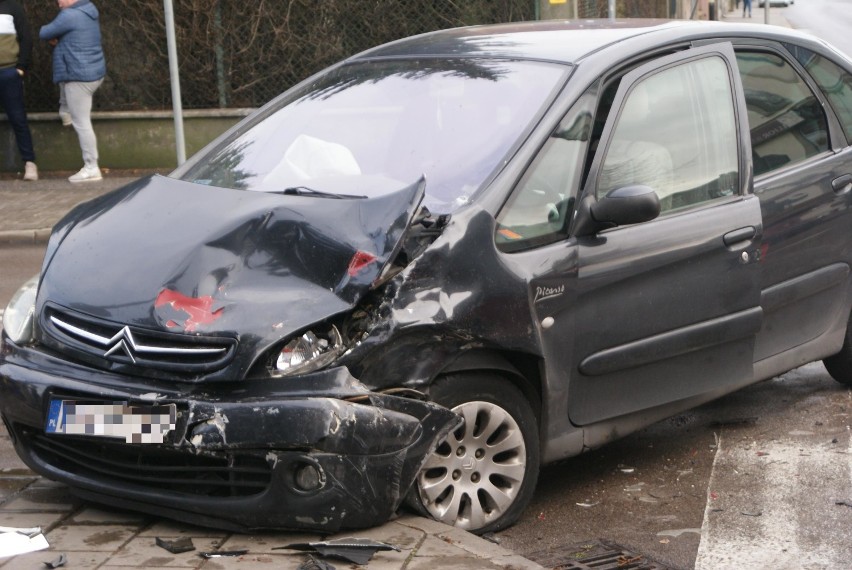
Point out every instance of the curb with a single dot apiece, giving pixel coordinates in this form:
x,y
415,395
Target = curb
x,y
25,237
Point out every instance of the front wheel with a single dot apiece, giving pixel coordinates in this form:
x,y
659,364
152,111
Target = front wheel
x,y
482,476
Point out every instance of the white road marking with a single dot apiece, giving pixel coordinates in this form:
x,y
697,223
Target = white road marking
x,y
773,504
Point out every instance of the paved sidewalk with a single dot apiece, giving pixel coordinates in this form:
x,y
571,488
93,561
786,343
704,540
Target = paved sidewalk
x,y
92,538
29,209
776,16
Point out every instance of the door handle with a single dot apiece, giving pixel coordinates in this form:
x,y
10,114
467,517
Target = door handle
x,y
737,236
842,184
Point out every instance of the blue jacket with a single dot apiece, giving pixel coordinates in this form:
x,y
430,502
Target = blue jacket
x,y
78,56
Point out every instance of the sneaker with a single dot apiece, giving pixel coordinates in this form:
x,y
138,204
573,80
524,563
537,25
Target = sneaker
x,y
65,118
87,174
30,171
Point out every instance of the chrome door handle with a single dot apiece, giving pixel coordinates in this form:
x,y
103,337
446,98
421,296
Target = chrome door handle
x,y
842,184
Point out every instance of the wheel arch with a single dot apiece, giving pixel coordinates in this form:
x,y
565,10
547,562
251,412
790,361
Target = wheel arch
x,y
522,370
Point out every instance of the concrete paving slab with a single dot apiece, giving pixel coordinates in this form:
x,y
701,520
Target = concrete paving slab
x,y
96,538
452,563
262,562
177,529
31,520
143,552
42,499
93,515
77,560
264,543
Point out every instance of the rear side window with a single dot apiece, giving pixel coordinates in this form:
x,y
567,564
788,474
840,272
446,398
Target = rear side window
x,y
786,120
834,81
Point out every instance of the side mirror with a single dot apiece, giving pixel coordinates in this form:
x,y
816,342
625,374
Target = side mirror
x,y
627,205
622,206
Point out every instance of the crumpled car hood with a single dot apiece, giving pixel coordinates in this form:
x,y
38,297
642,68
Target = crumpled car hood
x,y
180,257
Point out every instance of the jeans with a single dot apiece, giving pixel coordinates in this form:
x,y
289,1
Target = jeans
x,y
12,101
75,98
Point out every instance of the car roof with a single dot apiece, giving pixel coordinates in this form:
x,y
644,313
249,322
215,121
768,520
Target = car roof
x,y
565,41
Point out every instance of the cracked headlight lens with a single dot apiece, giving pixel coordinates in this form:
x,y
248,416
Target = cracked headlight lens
x,y
18,317
308,353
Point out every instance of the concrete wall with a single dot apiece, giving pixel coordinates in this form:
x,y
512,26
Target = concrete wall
x,y
567,9
125,139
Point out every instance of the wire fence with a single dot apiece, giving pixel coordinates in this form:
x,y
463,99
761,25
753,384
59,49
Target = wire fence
x,y
237,54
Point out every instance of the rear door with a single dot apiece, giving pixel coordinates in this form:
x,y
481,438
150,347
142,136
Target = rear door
x,y
803,177
668,309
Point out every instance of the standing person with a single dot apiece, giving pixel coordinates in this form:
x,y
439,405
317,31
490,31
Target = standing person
x,y
79,69
15,51
747,8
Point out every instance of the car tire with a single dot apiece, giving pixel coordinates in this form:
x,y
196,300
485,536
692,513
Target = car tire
x,y
839,366
483,474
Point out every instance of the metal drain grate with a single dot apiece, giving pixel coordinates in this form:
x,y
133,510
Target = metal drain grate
x,y
593,555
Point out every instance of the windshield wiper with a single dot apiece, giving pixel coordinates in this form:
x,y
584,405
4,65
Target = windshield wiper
x,y
305,191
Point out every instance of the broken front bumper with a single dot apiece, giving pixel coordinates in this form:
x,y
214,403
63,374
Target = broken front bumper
x,y
320,452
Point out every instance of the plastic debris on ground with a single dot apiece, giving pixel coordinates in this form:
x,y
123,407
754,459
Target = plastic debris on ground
x,y
176,546
14,541
57,562
223,554
356,550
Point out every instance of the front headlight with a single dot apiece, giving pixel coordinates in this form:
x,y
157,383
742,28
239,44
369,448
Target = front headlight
x,y
308,353
18,317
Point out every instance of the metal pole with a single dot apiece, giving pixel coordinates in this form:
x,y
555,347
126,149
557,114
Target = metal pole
x,y
611,9
180,144
766,11
220,55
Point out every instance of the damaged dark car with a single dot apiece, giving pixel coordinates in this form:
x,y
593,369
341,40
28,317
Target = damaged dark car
x,y
428,270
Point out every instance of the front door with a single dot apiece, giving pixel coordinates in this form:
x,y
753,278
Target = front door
x,y
668,309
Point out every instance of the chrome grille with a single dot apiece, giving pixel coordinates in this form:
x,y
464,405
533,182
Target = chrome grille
x,y
107,343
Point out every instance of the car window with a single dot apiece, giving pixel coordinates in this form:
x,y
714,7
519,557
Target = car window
x,y
537,212
370,128
676,133
833,80
786,120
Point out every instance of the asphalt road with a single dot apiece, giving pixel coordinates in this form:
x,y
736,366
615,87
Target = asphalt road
x,y
829,20
749,481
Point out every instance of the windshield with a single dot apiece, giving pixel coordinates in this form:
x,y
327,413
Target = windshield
x,y
370,128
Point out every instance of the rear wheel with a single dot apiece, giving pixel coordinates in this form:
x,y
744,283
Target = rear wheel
x,y
482,476
840,364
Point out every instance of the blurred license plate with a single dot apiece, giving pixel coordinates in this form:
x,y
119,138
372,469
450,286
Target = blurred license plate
x,y
118,420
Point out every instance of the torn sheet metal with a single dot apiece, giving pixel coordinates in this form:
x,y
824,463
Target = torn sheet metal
x,y
57,562
223,554
356,550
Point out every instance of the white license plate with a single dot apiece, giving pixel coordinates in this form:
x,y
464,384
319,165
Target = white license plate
x,y
117,420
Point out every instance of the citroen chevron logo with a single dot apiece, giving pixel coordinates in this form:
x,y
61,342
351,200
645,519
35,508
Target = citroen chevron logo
x,y
123,340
